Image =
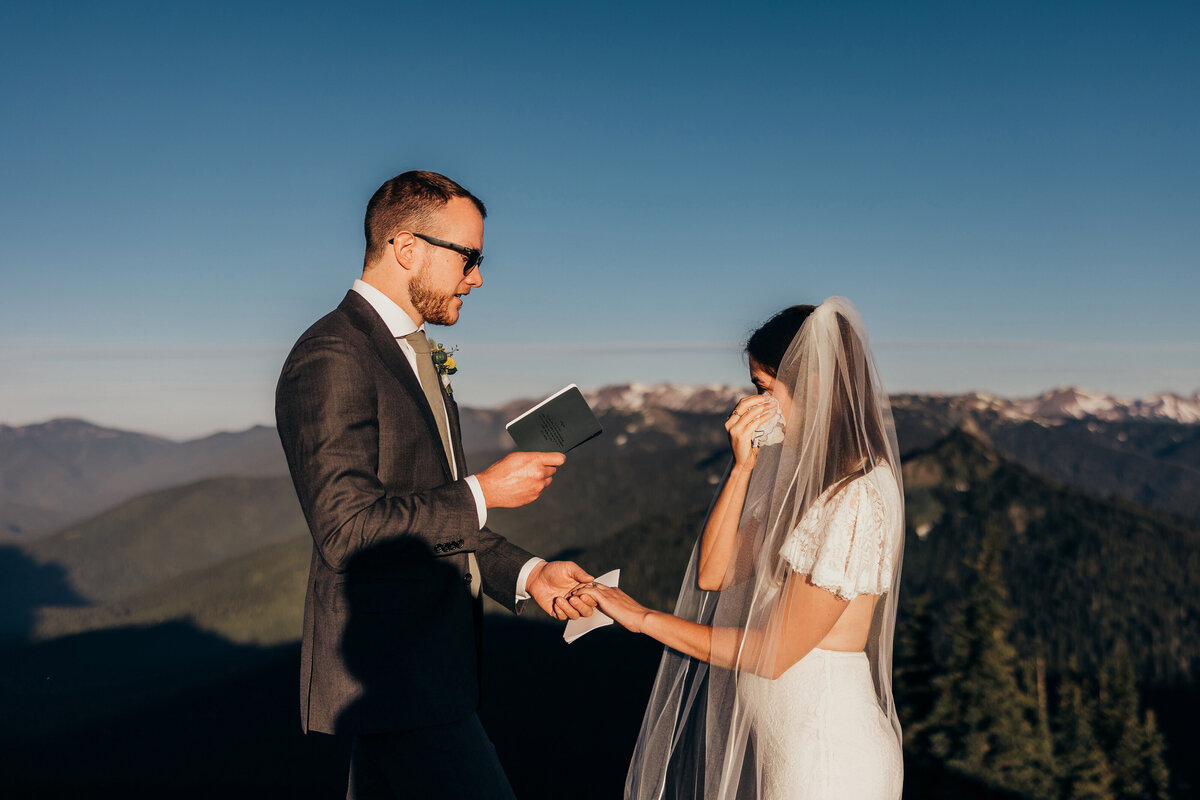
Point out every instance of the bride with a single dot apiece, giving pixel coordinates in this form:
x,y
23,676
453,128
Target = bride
x,y
775,681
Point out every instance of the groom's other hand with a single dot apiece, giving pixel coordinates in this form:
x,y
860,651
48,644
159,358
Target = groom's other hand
x,y
551,583
518,479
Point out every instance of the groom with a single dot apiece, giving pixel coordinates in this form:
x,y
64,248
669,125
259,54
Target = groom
x,y
391,643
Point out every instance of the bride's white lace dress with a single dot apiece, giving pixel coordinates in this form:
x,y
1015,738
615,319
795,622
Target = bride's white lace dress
x,y
818,729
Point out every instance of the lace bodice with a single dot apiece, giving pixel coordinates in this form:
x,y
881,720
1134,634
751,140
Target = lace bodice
x,y
847,540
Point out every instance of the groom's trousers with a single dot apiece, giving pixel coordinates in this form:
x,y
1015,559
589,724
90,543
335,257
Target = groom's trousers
x,y
451,761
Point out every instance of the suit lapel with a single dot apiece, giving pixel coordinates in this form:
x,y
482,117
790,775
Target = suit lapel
x,y
365,319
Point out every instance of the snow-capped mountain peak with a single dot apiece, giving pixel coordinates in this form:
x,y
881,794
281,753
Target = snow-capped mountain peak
x,y
1056,405
1073,403
1069,402
707,399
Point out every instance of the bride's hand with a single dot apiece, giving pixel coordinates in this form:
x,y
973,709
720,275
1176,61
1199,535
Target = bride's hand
x,y
750,414
623,609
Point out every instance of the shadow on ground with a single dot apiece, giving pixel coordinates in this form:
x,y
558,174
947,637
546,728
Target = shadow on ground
x,y
172,711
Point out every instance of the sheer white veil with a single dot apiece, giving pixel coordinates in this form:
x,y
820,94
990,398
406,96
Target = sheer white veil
x,y
697,736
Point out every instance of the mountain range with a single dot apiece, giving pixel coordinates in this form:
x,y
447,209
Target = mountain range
x,y
1072,403
60,472
653,471
1054,405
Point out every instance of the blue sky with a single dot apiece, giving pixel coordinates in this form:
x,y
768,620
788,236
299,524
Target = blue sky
x,y
1009,192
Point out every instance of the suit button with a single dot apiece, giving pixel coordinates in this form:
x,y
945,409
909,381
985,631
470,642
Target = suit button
x,y
467,577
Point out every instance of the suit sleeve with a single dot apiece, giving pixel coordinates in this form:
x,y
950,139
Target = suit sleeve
x,y
326,413
501,561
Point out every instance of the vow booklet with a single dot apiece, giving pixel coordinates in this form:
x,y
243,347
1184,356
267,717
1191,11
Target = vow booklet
x,y
578,627
559,423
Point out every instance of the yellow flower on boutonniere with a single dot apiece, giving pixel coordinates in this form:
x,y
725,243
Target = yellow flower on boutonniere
x,y
444,362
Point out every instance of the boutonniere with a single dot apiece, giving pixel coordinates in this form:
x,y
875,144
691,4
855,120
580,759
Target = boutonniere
x,y
443,361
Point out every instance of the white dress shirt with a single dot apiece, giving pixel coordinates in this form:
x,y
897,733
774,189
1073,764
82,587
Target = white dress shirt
x,y
401,325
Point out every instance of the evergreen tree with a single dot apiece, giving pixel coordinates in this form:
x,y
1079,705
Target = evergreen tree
x,y
1042,757
1156,778
1084,773
1132,742
913,673
983,722
1119,725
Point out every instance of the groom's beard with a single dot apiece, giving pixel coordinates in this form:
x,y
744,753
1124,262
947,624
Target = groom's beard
x,y
432,305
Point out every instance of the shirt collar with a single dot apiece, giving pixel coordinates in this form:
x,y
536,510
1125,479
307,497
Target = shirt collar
x,y
397,320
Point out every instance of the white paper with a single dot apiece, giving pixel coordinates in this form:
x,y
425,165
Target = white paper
x,y
578,627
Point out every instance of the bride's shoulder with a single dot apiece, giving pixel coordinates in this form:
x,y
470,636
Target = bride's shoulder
x,y
876,486
867,499
846,542
881,481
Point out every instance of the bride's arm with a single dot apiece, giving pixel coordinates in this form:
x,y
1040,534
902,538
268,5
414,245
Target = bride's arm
x,y
720,532
805,616
675,632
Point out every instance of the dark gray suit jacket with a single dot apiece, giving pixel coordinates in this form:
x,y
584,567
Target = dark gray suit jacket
x,y
391,632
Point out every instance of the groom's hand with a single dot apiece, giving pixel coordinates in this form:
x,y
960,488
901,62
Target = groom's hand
x,y
551,583
518,479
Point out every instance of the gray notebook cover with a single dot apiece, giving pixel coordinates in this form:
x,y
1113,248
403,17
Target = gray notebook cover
x,y
559,423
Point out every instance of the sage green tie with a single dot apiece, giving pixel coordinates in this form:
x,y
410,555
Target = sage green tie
x,y
431,384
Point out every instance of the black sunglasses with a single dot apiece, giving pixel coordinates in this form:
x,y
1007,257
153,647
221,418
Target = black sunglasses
x,y
474,258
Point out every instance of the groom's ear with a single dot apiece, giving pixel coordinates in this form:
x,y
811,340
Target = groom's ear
x,y
404,250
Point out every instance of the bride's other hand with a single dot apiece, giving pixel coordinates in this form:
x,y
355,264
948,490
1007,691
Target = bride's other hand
x,y
750,414
623,609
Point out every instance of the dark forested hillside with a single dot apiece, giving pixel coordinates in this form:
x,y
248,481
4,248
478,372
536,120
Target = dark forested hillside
x,y
59,583
1082,573
653,464
169,532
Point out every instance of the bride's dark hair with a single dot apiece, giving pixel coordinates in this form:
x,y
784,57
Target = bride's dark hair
x,y
772,339
767,346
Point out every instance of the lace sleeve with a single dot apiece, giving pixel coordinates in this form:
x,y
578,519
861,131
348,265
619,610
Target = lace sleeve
x,y
842,542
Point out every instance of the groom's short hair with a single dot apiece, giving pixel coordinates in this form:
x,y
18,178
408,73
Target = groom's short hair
x,y
408,202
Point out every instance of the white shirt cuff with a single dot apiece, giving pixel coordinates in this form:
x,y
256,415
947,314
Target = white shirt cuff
x,y
523,577
480,503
